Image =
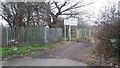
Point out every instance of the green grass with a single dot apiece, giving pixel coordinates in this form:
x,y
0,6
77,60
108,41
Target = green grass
x,y
22,50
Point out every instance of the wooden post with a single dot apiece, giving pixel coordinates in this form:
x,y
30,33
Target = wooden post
x,y
89,34
77,34
70,33
65,33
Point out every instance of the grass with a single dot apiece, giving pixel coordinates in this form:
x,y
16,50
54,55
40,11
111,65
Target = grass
x,y
22,50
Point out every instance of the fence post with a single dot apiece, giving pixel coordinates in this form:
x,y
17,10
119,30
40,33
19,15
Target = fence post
x,y
0,36
7,35
46,28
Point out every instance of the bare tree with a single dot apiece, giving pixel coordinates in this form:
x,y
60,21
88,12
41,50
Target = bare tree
x,y
25,14
13,13
21,14
55,9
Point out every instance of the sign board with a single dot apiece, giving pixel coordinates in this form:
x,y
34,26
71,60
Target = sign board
x,y
66,22
71,21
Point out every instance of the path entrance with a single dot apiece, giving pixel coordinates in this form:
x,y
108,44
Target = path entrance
x,y
69,55
72,33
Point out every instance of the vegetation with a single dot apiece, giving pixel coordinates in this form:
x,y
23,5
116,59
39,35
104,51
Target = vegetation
x,y
107,34
22,50
24,14
37,14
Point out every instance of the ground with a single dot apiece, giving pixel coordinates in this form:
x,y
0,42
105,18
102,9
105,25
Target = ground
x,y
69,51
64,54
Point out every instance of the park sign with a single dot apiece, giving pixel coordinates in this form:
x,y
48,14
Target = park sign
x,y
71,21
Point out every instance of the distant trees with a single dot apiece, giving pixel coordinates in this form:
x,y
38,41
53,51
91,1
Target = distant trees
x,y
35,14
20,14
23,14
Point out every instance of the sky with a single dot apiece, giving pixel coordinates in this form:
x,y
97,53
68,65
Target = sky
x,y
100,4
92,9
97,6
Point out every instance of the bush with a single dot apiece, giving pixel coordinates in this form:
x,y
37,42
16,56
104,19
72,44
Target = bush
x,y
108,40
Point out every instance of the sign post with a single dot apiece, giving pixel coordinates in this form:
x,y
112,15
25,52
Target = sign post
x,y
65,33
69,32
70,22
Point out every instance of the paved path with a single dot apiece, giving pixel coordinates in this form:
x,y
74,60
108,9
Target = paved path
x,y
67,56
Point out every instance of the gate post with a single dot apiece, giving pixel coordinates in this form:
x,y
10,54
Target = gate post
x,y
70,33
77,34
89,34
65,33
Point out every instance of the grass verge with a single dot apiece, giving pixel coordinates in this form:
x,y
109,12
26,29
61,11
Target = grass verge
x,y
22,50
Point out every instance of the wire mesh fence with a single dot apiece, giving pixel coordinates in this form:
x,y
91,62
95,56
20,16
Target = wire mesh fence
x,y
30,35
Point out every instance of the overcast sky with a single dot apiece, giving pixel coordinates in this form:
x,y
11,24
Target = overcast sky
x,y
94,8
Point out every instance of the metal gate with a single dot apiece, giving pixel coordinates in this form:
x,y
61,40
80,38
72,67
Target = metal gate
x,y
83,34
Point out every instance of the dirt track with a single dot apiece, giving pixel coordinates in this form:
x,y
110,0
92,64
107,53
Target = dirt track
x,y
72,51
67,55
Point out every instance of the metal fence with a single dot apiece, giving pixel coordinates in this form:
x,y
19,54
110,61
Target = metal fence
x,y
31,35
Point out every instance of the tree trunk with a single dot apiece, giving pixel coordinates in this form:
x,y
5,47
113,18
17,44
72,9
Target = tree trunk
x,y
54,23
